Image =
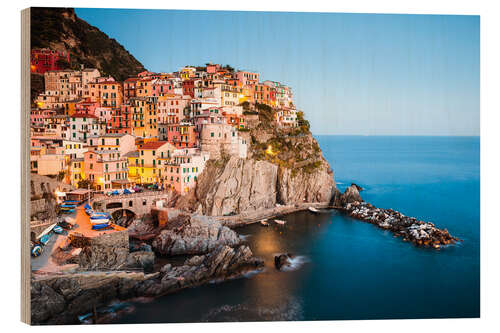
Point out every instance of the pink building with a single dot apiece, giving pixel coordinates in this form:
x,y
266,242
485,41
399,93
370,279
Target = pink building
x,y
212,115
103,167
182,135
171,108
38,116
86,107
183,169
247,78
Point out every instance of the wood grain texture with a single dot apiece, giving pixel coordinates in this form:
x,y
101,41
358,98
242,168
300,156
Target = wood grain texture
x,y
25,168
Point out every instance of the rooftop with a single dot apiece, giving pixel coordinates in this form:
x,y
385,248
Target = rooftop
x,y
134,153
153,145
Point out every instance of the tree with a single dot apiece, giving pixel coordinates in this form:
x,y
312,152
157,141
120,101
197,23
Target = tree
x,y
302,122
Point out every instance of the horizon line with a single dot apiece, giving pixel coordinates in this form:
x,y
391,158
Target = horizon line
x,y
415,135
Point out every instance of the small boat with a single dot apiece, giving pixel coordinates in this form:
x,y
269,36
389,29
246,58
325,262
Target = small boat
x,y
100,226
280,222
99,221
44,239
36,250
99,216
314,210
264,223
68,206
57,229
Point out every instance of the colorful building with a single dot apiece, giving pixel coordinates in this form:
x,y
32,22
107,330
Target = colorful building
x,y
149,160
43,60
103,167
182,171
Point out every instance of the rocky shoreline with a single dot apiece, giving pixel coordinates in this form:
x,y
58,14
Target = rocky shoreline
x,y
62,298
215,253
420,233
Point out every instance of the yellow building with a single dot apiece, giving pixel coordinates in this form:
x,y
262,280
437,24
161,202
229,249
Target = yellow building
x,y
230,95
111,94
144,88
144,117
70,107
133,167
186,73
76,171
150,160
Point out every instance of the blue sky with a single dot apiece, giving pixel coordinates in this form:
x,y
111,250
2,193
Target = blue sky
x,y
360,74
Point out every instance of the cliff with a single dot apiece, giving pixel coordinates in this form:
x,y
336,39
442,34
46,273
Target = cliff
x,y
284,166
60,29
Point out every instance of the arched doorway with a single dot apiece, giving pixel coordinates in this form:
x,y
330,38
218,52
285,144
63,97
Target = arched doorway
x,y
123,217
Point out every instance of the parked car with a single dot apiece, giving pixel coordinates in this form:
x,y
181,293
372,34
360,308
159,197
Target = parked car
x,y
57,229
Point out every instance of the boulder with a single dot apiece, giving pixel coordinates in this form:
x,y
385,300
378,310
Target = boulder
x,y
351,194
282,261
199,236
141,260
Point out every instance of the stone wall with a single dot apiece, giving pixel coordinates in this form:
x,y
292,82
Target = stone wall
x,y
113,239
138,203
41,185
37,206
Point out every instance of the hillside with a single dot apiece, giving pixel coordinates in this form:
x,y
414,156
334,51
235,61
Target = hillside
x,y
61,29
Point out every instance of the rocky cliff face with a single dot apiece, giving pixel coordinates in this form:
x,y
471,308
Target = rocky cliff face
x,y
292,171
239,185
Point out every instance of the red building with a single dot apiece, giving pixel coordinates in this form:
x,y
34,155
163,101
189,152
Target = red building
x,y
43,60
188,87
120,120
129,86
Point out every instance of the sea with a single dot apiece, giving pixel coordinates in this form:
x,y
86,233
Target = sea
x,y
345,269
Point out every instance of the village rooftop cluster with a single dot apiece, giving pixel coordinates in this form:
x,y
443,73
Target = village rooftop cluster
x,y
154,129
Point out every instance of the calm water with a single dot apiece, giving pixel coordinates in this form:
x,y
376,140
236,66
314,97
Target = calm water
x,y
347,269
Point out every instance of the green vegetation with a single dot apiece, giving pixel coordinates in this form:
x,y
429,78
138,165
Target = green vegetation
x,y
54,27
304,125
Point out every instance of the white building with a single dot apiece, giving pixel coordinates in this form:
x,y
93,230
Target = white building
x,y
83,126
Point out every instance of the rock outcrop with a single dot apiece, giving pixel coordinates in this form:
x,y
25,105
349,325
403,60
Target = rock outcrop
x,y
282,260
283,166
239,185
418,232
243,185
222,263
199,235
350,195
303,186
105,252
60,299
